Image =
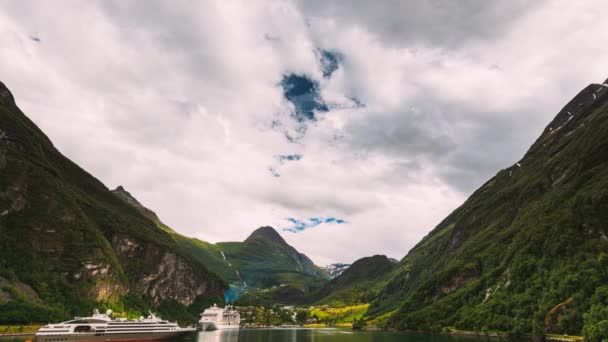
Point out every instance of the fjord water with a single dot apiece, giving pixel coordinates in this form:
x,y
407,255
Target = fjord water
x,y
303,335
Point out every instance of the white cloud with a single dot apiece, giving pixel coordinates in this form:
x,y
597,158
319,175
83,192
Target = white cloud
x,y
175,101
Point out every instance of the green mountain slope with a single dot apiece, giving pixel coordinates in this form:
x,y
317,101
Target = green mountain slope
x,y
533,237
205,253
68,244
358,284
264,259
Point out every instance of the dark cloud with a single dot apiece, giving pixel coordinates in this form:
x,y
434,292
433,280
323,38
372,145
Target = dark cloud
x,y
437,22
465,145
410,134
274,172
289,157
330,62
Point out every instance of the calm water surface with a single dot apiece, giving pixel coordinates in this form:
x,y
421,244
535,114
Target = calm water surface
x,y
305,335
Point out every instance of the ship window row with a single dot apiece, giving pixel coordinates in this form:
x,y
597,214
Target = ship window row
x,y
142,330
140,326
81,321
57,339
135,322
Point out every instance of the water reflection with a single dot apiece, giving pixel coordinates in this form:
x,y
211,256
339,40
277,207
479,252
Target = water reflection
x,y
303,335
230,335
322,335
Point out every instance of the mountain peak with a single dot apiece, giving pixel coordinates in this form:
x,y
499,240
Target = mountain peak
x,y
266,233
570,118
6,97
126,197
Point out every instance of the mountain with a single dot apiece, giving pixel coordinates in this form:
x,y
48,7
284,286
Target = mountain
x,y
335,270
68,244
528,251
126,196
264,259
357,284
206,253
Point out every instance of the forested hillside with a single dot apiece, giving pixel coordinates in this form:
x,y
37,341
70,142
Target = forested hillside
x,y
68,244
528,251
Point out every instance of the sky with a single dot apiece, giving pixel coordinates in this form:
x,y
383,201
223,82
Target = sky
x,y
352,127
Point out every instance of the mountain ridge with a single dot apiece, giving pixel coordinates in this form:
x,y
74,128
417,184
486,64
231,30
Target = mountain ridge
x,y
230,260
357,284
525,242
73,242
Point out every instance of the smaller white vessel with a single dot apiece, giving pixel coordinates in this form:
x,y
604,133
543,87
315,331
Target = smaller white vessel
x,y
216,318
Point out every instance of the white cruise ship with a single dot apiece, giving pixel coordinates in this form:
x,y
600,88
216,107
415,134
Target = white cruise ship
x,y
100,327
216,318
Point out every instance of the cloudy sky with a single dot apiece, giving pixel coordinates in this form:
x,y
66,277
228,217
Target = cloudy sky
x,y
353,127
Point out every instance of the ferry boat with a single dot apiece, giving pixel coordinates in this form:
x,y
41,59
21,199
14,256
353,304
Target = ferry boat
x,y
100,327
216,318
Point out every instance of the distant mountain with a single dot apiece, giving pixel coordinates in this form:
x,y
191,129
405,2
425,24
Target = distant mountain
x,y
264,259
528,251
335,270
67,243
358,283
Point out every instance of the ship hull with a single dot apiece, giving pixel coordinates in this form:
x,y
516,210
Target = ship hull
x,y
122,337
208,326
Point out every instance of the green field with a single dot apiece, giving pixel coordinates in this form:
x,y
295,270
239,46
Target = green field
x,y
339,316
18,329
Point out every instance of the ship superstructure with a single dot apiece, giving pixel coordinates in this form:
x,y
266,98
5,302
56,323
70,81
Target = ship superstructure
x,y
216,318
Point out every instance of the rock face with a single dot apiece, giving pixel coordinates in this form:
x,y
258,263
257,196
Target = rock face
x,y
72,241
163,274
529,239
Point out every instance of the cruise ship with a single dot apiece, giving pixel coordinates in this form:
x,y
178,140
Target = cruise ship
x,y
216,318
100,327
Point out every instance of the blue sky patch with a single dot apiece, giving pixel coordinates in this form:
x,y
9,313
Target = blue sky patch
x,y
330,62
289,157
303,93
302,225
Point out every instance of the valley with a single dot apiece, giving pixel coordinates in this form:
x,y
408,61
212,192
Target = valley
x,y
525,255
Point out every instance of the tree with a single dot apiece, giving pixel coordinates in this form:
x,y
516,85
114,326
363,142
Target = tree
x,y
302,316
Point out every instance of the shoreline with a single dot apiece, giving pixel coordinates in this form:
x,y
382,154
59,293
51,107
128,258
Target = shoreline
x,y
19,330
478,334
494,335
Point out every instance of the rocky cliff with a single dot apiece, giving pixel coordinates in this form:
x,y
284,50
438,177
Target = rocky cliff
x,y
72,241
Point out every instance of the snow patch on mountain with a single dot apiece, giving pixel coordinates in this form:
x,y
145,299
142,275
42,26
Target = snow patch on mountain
x,y
335,270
